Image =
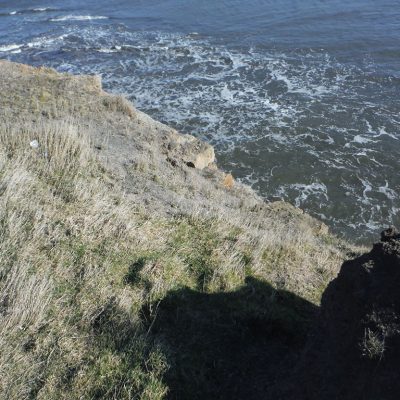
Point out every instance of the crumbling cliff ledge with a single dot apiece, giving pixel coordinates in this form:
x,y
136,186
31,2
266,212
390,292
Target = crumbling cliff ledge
x,y
179,171
125,138
131,266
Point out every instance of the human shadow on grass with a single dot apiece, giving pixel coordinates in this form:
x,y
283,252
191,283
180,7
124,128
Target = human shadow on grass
x,y
229,345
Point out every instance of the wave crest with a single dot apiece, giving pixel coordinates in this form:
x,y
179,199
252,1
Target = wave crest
x,y
77,18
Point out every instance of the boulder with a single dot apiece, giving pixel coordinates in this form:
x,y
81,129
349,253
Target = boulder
x,y
192,151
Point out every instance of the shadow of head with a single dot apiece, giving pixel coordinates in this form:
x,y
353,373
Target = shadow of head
x,y
355,352
220,345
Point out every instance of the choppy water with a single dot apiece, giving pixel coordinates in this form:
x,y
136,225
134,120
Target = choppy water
x,y
300,98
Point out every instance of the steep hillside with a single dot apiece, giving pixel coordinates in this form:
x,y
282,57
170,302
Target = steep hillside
x,y
131,266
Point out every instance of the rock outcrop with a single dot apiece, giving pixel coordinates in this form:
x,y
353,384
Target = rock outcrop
x,y
355,351
192,151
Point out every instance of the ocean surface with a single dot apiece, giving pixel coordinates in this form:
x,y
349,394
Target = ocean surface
x,y
301,98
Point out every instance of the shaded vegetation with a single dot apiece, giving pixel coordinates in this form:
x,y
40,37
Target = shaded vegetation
x,y
228,345
355,349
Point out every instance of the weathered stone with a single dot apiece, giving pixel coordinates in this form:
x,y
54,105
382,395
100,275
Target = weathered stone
x,y
192,151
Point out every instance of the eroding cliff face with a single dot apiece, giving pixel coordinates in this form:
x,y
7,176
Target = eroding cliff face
x,y
355,351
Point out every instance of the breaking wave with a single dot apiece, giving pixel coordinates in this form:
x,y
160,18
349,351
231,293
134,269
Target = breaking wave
x,y
32,10
10,47
77,18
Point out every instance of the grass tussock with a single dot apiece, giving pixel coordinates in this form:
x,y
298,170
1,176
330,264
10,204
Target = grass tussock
x,y
102,300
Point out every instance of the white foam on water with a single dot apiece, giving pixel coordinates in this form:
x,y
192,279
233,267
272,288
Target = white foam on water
x,y
45,42
305,191
278,137
77,18
316,90
283,78
388,192
367,189
383,132
114,49
227,94
10,47
269,104
373,225
362,139
369,126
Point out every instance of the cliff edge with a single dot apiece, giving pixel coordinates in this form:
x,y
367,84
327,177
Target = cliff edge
x,y
132,266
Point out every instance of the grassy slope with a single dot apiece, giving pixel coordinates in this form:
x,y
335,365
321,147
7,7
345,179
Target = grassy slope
x,y
103,294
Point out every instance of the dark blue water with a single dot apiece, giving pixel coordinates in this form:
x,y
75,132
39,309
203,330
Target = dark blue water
x,y
300,98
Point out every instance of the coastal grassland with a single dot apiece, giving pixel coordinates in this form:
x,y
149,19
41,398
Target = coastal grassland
x,y
101,299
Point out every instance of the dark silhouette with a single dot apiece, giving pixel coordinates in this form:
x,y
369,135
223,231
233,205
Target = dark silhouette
x,y
354,352
229,345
